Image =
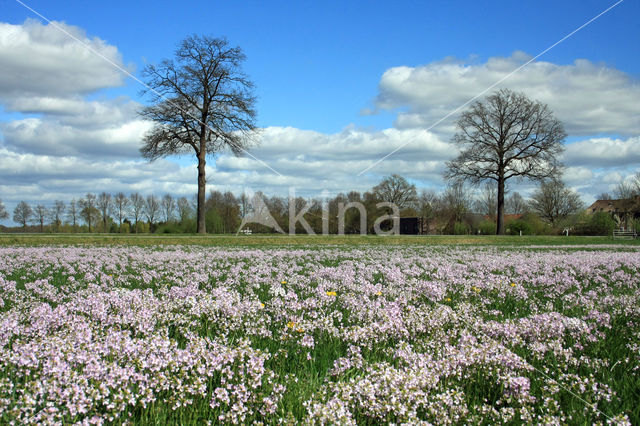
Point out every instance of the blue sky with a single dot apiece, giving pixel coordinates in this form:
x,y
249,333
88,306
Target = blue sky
x,y
327,74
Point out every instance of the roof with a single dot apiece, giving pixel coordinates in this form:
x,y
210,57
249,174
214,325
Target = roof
x,y
612,205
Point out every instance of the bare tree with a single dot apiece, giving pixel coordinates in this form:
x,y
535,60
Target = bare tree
x,y
56,214
486,202
397,190
202,101
137,206
624,191
151,208
604,196
184,209
456,201
636,183
553,201
120,204
506,136
104,205
3,211
22,213
168,207
515,204
40,213
88,210
427,205
72,213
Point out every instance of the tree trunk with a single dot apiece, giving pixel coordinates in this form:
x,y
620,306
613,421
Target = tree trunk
x,y
202,184
500,222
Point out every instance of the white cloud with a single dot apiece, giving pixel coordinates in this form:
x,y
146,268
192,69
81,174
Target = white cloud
x,y
604,152
588,98
48,136
39,60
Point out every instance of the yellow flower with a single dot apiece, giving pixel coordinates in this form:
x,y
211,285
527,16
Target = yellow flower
x,y
261,305
331,293
513,284
378,293
300,330
291,324
448,299
283,282
476,289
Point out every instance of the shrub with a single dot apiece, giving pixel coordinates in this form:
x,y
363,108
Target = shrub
x,y
519,226
460,228
487,227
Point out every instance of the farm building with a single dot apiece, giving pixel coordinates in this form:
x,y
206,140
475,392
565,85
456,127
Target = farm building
x,y
623,211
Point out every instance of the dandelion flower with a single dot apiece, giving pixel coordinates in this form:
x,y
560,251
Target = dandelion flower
x,y
261,305
448,299
513,284
291,324
378,293
283,282
331,293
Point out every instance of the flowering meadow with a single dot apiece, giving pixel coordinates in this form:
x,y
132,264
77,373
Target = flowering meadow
x,y
319,335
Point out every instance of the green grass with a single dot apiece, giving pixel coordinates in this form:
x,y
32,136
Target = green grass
x,y
295,240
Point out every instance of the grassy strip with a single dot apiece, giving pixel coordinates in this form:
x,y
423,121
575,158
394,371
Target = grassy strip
x,y
296,240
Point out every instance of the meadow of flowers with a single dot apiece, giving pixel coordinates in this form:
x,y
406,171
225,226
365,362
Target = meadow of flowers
x,y
331,335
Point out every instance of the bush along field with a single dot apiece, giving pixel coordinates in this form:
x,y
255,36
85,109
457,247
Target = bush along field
x,y
366,335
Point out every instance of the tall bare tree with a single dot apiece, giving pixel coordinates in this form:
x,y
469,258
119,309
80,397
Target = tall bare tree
x,y
22,213
72,213
41,213
624,191
56,214
515,204
88,210
456,202
151,208
553,201
202,102
120,204
506,136
636,183
104,203
3,211
486,201
397,190
137,207
184,209
168,207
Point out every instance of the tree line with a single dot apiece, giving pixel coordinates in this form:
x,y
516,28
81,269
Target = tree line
x,y
457,209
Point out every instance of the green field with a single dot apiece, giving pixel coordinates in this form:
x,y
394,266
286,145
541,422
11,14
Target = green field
x,y
284,240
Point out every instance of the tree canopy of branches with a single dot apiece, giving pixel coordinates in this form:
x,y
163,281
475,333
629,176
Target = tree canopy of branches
x,y
515,204
22,213
40,213
397,190
104,204
88,210
506,136
553,201
3,211
202,102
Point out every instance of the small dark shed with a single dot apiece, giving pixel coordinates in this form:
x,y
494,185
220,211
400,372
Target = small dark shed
x,y
410,225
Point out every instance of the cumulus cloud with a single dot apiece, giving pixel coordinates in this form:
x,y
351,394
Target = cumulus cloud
x,y
604,152
40,60
50,136
589,98
48,74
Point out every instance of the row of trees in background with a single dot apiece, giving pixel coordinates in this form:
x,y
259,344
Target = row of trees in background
x,y
458,209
